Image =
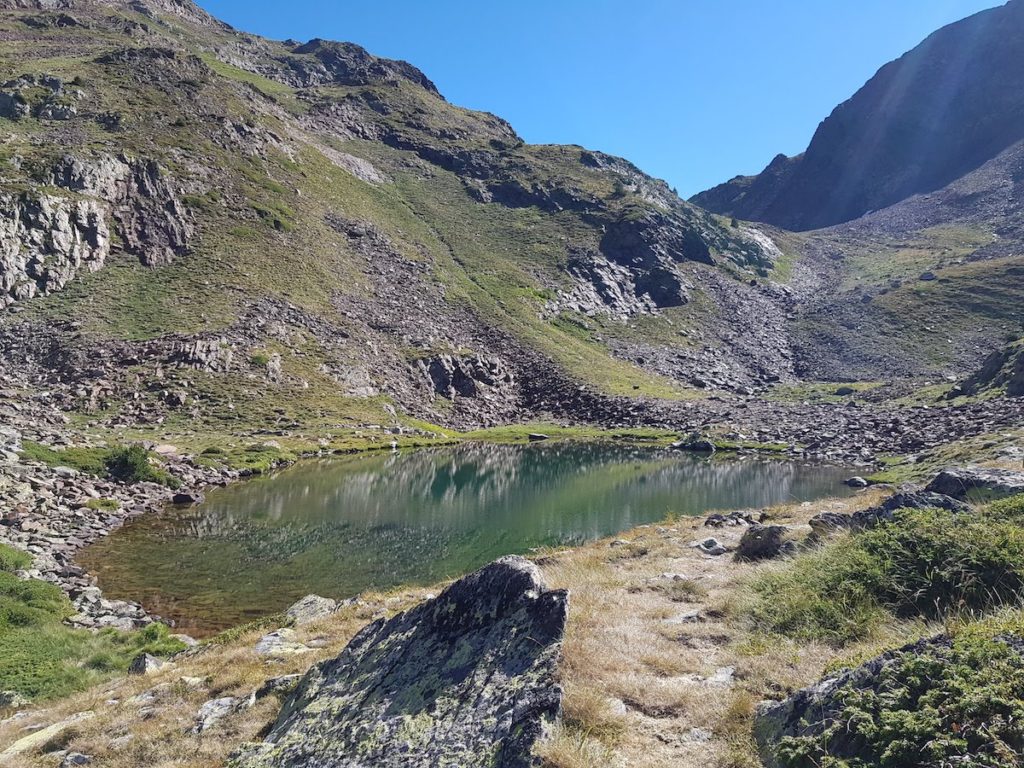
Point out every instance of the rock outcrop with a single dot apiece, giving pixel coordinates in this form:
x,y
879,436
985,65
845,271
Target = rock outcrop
x,y
977,482
827,522
465,679
152,222
45,241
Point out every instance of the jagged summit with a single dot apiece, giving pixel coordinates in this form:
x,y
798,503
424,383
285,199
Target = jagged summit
x,y
924,120
351,64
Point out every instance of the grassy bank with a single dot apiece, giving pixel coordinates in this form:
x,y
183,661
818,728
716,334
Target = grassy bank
x,y
40,657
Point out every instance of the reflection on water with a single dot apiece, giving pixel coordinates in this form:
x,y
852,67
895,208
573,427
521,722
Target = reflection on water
x,y
340,526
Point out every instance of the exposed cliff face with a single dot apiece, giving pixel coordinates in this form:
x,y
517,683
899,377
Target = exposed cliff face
x,y
151,221
45,241
924,120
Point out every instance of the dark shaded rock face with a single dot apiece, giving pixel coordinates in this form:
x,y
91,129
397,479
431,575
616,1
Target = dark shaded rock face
x,y
466,679
1003,368
764,542
978,482
466,376
924,120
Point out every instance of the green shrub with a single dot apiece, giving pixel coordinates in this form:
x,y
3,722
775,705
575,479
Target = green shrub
x,y
819,596
12,559
260,360
1007,509
30,602
926,563
959,705
131,464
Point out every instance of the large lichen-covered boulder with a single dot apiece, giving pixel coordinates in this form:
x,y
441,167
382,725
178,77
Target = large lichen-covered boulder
x,y
465,679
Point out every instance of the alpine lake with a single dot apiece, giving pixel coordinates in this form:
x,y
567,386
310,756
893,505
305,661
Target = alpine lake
x,y
340,526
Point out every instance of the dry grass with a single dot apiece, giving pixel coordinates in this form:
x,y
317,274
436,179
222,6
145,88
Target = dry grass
x,y
146,721
652,630
651,623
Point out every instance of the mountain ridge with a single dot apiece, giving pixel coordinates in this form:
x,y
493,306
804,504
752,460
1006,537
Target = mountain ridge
x,y
922,121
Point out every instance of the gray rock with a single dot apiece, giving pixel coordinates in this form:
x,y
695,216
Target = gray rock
x,y
310,608
856,482
977,483
13,700
277,686
144,664
280,643
722,677
537,437
710,547
828,522
466,679
696,443
72,759
764,542
213,711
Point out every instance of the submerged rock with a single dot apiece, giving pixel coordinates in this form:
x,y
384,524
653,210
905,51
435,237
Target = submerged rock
x,y
464,679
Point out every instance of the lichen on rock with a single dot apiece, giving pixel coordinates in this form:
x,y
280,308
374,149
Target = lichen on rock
x,y
466,679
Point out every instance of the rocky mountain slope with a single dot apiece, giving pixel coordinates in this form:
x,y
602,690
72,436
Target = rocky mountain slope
x,y
211,231
197,217
923,121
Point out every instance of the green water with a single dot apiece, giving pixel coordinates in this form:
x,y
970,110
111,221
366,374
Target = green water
x,y
340,526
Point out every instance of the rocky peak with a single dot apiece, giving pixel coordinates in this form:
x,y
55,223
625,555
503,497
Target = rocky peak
x,y
923,121
350,64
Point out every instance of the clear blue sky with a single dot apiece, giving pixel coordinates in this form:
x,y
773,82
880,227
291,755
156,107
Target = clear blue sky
x,y
692,91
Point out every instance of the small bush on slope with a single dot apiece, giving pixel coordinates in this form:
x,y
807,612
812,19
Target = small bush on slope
x,y
13,559
925,563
